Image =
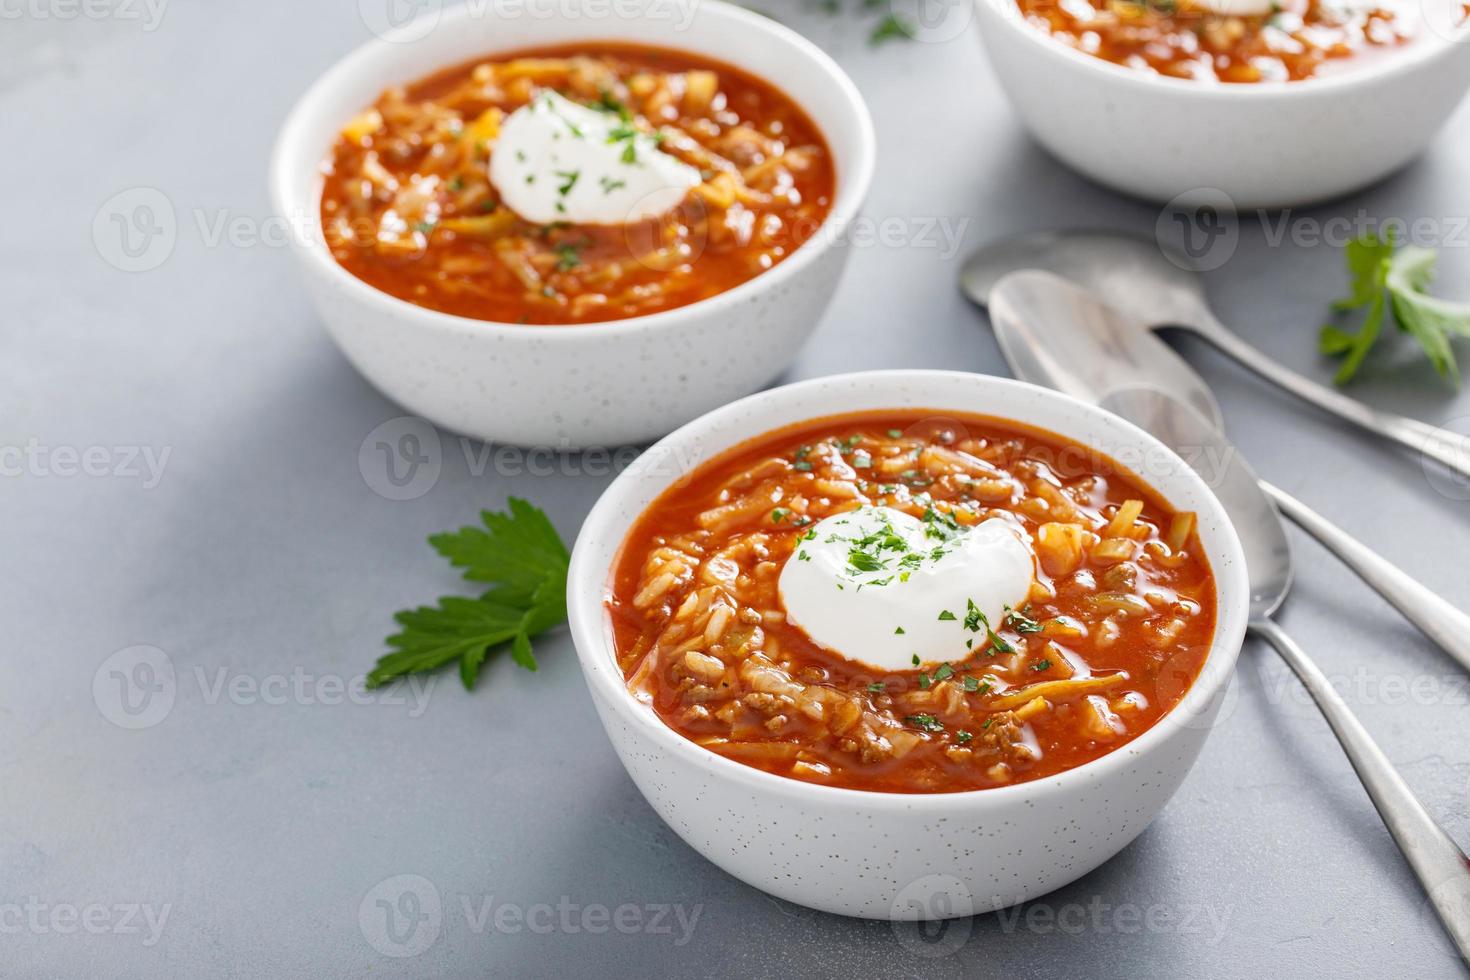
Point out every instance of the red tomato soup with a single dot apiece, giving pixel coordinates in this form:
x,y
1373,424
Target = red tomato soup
x,y
1113,621
1281,41
412,204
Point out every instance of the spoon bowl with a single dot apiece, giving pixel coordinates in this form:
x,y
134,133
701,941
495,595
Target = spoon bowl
x,y
1150,287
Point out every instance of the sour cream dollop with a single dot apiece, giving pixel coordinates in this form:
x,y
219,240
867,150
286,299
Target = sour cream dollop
x,y
556,160
878,586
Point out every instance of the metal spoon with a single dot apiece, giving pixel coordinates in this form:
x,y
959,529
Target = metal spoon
x,y
1439,864
1055,333
1152,287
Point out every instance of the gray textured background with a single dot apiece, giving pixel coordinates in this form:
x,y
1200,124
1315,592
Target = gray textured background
x,y
260,825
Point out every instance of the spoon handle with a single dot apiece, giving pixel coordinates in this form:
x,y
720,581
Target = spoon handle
x,y
1437,619
1439,864
1449,448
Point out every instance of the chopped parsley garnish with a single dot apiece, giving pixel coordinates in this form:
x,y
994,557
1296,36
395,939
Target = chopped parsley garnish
x,y
944,673
926,723
778,515
609,185
962,736
898,631
895,433
940,525
608,102
424,226
924,681
916,660
568,256
1020,622
569,180
1041,665
946,615
877,687
971,684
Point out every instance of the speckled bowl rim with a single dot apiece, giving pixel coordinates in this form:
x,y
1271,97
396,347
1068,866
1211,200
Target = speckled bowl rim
x,y
1330,87
589,583
854,176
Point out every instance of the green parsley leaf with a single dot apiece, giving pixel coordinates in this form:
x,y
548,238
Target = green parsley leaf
x,y
568,256
1384,279
524,560
946,615
1428,319
891,28
962,736
926,723
1020,622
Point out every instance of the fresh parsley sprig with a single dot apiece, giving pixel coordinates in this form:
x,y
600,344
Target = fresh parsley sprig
x,y
525,562
1388,278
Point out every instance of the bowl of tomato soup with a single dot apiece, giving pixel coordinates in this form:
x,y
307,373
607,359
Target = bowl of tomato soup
x,y
850,631
1243,103
574,231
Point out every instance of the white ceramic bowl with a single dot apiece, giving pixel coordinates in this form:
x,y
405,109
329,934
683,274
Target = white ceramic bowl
x,y
577,385
1263,145
883,855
